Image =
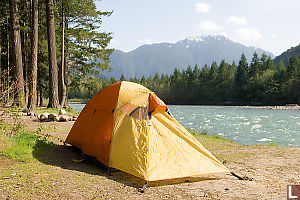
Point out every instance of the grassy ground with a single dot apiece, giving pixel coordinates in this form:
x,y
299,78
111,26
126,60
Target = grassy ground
x,y
54,110
34,164
78,100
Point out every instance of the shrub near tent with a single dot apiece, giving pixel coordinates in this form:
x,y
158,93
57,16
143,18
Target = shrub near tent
x,y
127,127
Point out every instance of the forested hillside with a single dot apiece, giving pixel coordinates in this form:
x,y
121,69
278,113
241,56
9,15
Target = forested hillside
x,y
43,43
259,82
284,57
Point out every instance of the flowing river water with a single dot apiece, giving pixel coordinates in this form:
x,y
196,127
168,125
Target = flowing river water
x,y
242,125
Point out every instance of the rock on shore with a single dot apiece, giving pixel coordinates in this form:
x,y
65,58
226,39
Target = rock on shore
x,y
61,117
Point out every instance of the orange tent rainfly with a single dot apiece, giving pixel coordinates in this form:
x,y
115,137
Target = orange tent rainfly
x,y
127,127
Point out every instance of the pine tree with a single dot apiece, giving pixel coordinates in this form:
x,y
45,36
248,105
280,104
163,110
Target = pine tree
x,y
223,81
122,78
62,88
34,49
255,65
53,87
241,78
212,83
17,53
86,45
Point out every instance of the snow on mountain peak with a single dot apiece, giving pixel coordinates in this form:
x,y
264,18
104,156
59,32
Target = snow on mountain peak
x,y
196,39
202,38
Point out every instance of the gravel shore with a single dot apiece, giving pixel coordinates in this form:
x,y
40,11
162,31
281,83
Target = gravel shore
x,y
287,107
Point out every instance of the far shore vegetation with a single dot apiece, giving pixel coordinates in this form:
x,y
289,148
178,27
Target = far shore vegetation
x,y
261,82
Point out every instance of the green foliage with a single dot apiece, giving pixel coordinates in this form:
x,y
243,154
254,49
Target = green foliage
x,y
272,144
285,56
86,87
86,45
23,145
48,110
3,127
211,137
77,100
88,48
54,110
15,113
11,129
262,82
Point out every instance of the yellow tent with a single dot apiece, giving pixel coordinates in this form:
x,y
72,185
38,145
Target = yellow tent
x,y
127,127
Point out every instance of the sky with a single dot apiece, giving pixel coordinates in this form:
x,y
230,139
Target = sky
x,y
272,25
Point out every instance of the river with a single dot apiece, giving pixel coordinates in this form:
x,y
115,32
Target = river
x,y
242,125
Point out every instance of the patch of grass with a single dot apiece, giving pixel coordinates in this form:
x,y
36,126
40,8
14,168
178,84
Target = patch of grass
x,y
272,144
48,110
204,136
71,111
78,100
14,109
10,129
23,144
54,110
215,138
3,126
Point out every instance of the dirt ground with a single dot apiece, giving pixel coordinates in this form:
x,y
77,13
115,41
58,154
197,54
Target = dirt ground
x,y
53,174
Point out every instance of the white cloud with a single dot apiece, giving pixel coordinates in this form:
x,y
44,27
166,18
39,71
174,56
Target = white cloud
x,y
273,36
209,26
241,21
145,41
113,41
248,34
202,7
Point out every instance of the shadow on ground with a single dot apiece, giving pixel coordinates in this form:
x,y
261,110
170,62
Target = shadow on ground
x,y
63,156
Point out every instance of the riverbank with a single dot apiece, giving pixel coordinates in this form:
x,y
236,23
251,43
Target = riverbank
x,y
286,107
51,173
278,107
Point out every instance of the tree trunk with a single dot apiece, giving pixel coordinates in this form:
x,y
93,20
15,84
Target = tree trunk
x,y
67,65
66,77
1,75
16,54
25,62
8,63
53,87
33,62
61,85
39,84
25,7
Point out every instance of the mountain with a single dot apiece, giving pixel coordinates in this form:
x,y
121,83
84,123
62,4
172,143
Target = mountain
x,y
164,57
284,57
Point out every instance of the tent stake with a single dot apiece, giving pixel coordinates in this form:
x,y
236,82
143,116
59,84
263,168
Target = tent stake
x,y
109,172
142,190
81,158
237,176
241,178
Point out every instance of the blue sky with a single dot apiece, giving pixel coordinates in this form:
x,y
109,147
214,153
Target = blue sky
x,y
272,25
